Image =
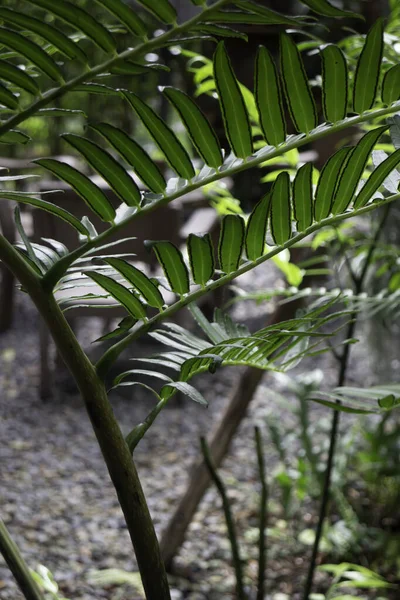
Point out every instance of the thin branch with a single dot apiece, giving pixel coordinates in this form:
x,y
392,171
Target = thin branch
x,y
262,550
18,566
134,437
344,361
111,355
237,565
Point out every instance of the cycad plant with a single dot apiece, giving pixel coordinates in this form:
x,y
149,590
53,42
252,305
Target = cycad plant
x,y
39,48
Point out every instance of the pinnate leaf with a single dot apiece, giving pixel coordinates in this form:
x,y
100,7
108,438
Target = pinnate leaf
x,y
199,129
297,90
303,197
81,20
91,194
173,265
107,167
368,69
164,137
139,280
120,293
281,227
334,83
201,257
231,243
268,98
233,108
30,50
256,228
354,169
134,155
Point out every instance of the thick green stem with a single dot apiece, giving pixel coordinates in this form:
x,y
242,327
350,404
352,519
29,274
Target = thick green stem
x,y
115,451
18,566
237,564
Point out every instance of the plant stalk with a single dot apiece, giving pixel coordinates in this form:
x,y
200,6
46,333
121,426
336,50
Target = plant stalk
x,y
237,564
18,566
262,550
115,451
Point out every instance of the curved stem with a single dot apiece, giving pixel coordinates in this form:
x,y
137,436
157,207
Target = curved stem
x,y
115,451
18,566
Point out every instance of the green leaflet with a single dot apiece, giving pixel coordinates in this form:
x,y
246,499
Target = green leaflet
x,y
14,75
376,179
354,169
126,15
134,155
270,16
268,98
260,16
233,108
81,20
334,83
303,197
14,136
7,98
199,129
201,257
139,280
328,181
297,90
173,265
31,51
164,137
47,206
325,8
281,225
120,293
231,241
184,388
391,85
162,9
26,242
220,30
96,88
91,194
50,34
256,228
107,167
368,67
131,68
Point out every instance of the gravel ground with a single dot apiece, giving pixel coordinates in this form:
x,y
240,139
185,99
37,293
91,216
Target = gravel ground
x,y
61,509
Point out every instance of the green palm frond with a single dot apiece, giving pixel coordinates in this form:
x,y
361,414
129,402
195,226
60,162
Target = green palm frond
x,y
276,347
293,209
